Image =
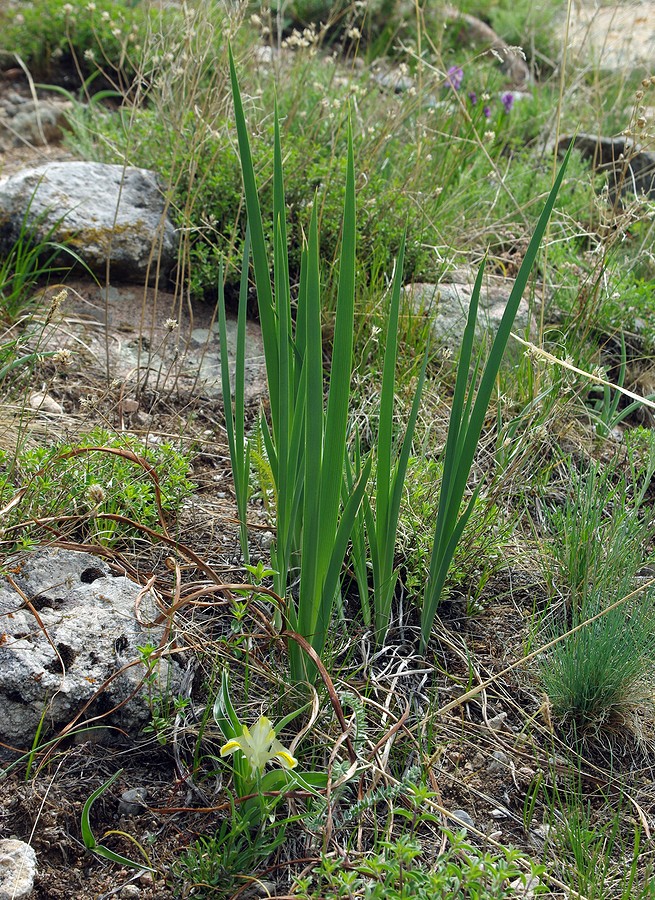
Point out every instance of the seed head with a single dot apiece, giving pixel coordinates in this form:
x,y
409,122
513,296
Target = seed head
x,y
96,494
63,359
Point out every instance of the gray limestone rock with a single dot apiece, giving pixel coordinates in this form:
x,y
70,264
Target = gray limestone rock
x,y
17,869
447,305
101,212
36,123
630,168
76,641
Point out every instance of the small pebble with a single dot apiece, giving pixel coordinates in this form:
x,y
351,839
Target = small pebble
x,y
465,821
266,540
499,813
45,402
130,890
133,802
499,762
497,722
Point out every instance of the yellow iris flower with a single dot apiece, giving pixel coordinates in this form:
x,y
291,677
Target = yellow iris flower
x,y
259,745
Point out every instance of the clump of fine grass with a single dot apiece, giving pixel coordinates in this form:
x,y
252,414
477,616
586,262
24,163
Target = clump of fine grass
x,y
599,542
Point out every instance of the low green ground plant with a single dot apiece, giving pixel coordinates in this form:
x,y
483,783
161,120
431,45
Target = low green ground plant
x,y
218,865
76,488
479,554
398,870
414,152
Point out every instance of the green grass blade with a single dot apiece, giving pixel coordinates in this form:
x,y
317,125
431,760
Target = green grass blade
x,y
260,260
224,712
89,838
358,551
339,545
406,449
385,429
120,860
240,374
446,516
460,451
284,472
235,415
336,423
388,547
313,451
85,824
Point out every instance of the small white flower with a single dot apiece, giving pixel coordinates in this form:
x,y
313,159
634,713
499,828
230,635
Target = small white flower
x,y
260,746
67,9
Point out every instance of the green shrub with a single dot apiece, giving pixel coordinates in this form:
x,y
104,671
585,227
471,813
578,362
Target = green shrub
x,y
59,481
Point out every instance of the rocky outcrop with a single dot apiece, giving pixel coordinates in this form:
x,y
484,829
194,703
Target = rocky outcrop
x,y
630,169
71,634
447,306
104,213
17,869
24,121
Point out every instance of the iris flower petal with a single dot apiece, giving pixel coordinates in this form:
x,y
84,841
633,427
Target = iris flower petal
x,y
231,746
259,746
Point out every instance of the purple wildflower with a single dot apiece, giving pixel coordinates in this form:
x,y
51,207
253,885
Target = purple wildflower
x,y
487,112
473,97
454,77
508,101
